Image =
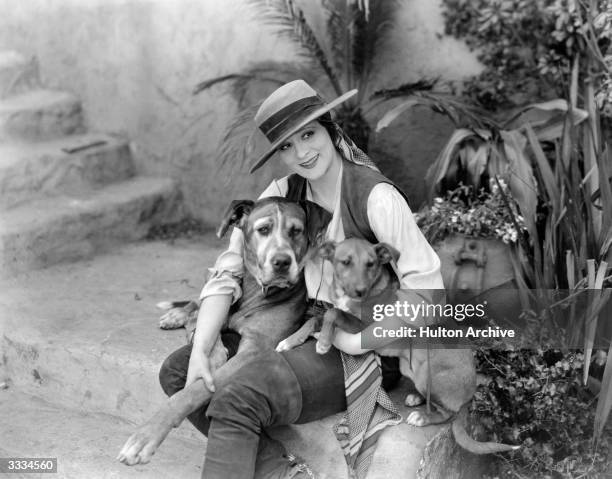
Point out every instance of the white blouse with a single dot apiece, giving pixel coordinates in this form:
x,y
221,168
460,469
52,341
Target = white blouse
x,y
391,222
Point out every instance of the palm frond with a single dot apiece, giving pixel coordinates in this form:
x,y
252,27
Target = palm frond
x,y
461,114
246,76
289,21
237,145
270,72
340,23
370,37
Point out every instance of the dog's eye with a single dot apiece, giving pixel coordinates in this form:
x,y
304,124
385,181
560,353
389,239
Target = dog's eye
x,y
369,264
293,232
346,261
264,230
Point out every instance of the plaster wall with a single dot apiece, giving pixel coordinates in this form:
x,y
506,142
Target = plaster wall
x,y
134,64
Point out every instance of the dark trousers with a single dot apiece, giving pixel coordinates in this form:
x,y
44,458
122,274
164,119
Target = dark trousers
x,y
274,389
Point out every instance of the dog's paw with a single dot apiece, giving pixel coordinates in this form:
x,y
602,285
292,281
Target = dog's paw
x,y
418,418
284,345
175,318
321,349
413,400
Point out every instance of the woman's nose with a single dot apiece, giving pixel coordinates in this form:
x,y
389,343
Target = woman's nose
x,y
301,150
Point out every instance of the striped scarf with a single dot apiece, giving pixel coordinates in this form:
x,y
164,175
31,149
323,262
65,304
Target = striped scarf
x,y
369,409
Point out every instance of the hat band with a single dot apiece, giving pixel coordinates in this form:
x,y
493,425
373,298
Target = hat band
x,y
277,124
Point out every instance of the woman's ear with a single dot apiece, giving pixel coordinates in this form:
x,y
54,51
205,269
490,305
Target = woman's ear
x,y
236,213
327,250
386,253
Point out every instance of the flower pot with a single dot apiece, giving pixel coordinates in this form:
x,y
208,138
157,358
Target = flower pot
x,y
480,270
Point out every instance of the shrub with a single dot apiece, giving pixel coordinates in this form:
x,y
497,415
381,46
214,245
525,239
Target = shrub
x,y
535,398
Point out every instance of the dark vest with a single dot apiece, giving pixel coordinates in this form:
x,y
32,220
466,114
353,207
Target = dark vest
x,y
357,183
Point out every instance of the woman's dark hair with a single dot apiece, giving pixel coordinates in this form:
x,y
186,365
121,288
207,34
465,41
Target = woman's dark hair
x,y
332,128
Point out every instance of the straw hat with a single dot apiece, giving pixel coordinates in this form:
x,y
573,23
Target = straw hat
x,y
286,110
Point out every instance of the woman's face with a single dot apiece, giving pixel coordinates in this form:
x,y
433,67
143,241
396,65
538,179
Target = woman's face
x,y
309,152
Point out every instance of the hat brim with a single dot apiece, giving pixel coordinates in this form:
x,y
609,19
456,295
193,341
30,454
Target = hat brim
x,y
312,116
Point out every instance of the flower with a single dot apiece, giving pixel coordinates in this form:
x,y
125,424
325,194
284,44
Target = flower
x,y
485,214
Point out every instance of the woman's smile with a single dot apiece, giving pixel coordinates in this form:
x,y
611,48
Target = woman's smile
x,y
311,163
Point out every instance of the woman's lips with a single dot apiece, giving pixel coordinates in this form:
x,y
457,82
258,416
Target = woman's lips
x,y
310,163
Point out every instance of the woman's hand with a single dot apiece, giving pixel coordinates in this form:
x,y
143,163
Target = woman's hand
x,y
349,343
199,367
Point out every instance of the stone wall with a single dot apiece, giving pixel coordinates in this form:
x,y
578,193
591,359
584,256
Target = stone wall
x,y
134,64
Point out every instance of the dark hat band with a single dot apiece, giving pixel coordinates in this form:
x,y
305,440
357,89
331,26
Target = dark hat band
x,y
277,124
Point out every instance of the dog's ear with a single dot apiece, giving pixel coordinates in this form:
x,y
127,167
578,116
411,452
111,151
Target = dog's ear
x,y
317,219
327,250
237,211
386,253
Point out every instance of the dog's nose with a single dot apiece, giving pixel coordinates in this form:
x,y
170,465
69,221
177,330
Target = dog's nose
x,y
360,292
281,262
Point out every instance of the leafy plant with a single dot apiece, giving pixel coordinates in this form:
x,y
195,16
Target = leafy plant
x,y
558,169
484,214
357,31
535,398
528,47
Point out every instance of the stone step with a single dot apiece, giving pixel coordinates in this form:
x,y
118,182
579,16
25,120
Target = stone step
x,y
85,335
71,164
40,115
86,444
65,228
17,73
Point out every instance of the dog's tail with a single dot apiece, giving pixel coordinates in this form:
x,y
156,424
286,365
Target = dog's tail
x,y
475,447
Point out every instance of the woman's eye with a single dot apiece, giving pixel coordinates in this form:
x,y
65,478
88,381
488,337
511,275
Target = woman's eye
x,y
307,134
284,147
264,230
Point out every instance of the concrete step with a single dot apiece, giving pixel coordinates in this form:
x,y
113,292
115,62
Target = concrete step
x,y
17,73
86,444
40,115
85,336
48,231
72,164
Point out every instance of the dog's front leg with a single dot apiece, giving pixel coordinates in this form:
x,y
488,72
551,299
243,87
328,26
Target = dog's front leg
x,y
326,336
297,338
141,445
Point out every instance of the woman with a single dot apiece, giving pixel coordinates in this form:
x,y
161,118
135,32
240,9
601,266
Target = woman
x,y
299,385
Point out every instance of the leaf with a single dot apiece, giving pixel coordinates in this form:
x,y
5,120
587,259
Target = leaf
x,y
545,170
521,180
396,111
461,114
236,146
604,404
289,21
547,119
441,166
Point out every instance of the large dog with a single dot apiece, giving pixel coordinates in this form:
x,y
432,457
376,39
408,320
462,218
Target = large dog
x,y
278,236
447,376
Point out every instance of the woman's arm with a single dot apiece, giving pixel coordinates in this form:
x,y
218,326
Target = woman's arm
x,y
392,222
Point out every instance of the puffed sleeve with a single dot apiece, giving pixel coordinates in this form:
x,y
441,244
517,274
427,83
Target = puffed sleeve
x,y
392,221
225,277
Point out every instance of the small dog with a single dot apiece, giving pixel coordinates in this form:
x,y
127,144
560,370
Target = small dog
x,y
279,236
361,273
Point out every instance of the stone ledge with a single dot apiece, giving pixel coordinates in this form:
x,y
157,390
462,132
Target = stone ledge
x,y
40,115
65,228
31,170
